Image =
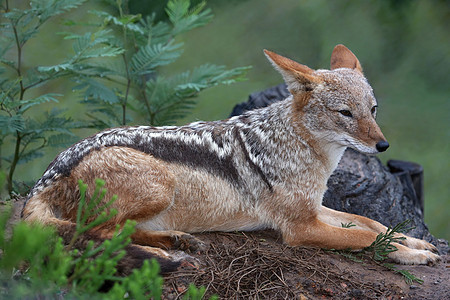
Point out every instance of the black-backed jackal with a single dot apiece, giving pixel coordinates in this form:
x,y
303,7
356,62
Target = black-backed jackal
x,y
267,168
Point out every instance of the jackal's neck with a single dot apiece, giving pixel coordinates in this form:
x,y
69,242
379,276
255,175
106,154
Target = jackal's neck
x,y
286,153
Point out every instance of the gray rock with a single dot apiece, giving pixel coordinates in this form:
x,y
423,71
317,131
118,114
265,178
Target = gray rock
x,y
262,99
362,185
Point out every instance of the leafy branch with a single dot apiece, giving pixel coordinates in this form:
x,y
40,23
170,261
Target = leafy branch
x,y
17,29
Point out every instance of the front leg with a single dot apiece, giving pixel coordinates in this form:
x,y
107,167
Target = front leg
x,y
337,218
314,232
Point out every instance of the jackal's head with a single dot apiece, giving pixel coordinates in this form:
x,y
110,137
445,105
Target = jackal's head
x,y
337,105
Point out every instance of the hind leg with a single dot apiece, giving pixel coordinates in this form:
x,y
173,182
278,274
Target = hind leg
x,y
145,188
143,184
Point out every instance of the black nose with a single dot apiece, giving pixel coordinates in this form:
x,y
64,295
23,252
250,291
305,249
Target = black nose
x,y
382,146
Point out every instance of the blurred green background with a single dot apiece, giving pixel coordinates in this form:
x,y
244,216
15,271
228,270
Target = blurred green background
x,y
403,46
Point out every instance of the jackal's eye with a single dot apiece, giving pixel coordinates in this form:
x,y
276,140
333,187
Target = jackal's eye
x,y
373,110
346,113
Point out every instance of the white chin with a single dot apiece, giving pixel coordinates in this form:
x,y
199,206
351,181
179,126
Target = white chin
x,y
365,149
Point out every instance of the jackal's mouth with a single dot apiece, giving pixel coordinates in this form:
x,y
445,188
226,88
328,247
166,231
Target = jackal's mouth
x,y
360,147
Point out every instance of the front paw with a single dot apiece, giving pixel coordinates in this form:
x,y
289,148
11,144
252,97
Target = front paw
x,y
419,244
408,256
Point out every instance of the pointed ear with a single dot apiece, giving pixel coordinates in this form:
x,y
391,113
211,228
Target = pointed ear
x,y
342,57
298,77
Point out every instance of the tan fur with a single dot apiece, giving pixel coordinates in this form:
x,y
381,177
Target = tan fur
x,y
168,197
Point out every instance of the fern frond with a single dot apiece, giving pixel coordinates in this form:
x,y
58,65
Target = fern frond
x,y
61,140
30,155
151,56
408,276
97,90
50,8
172,98
23,25
54,121
7,62
56,68
95,44
155,33
183,18
11,124
129,22
86,46
209,75
26,104
104,115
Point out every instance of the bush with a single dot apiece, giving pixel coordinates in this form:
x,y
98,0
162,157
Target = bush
x,y
35,263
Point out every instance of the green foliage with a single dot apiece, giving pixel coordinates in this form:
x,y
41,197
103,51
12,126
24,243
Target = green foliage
x,y
115,66
379,250
382,245
29,135
31,252
141,284
87,209
35,263
130,80
347,225
195,293
408,276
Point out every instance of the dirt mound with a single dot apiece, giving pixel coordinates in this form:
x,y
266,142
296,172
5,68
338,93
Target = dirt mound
x,y
258,266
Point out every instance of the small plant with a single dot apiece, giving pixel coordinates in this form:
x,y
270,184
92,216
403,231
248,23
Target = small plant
x,y
379,250
195,293
347,225
87,209
36,264
408,276
382,245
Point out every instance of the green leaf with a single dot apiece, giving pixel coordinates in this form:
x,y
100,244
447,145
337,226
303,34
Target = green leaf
x,y
151,56
26,104
166,105
7,62
127,21
11,124
56,68
209,75
95,44
154,33
50,8
61,140
97,90
185,19
53,122
103,51
14,251
30,155
172,98
86,46
347,225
